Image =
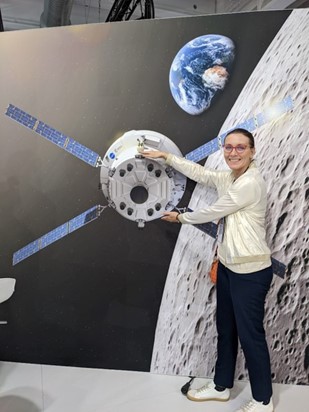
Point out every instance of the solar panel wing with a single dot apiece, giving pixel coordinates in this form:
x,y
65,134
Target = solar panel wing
x,y
260,119
82,152
58,233
54,136
210,228
269,114
26,251
53,236
249,124
204,150
82,219
21,117
278,268
51,134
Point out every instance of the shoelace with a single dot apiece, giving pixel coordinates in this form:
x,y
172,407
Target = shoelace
x,y
202,389
249,406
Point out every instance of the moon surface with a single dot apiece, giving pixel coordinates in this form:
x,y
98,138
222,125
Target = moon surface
x,y
185,339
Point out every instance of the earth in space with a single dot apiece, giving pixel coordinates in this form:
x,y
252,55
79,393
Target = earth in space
x,y
200,69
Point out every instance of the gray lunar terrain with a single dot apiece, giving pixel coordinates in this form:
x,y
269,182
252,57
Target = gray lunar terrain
x,y
185,339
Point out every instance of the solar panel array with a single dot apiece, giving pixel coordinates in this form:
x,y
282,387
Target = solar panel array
x,y
268,115
56,234
278,268
54,136
210,228
205,150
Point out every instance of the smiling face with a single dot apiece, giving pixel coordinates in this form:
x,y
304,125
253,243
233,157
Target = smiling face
x,y
238,162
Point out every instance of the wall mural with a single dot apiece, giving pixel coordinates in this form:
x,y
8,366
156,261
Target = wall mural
x,y
186,330
128,291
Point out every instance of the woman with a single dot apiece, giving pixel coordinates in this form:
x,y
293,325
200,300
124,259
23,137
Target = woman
x,y
244,271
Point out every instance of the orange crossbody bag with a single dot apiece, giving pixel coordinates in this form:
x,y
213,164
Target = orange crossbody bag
x,y
214,270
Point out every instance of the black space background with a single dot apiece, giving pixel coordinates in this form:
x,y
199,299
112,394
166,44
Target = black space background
x,y
92,299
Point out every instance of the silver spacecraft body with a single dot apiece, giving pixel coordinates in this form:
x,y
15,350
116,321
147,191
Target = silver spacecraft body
x,y
141,189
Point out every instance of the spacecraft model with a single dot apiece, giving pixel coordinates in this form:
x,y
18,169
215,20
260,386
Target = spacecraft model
x,y
139,189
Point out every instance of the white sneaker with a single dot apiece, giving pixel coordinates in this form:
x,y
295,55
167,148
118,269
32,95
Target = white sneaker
x,y
208,393
255,406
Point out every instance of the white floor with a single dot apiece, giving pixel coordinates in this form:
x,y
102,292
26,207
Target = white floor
x,y
38,388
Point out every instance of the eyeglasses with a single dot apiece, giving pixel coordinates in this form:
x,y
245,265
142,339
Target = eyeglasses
x,y
240,148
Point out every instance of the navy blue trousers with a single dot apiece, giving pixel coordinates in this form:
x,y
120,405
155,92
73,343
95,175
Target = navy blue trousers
x,y
240,315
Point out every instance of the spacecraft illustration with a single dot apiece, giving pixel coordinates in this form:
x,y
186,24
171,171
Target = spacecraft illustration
x,y
139,189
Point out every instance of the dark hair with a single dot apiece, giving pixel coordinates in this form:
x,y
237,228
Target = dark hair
x,y
245,133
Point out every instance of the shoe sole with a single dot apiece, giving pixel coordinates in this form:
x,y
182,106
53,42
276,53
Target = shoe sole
x,y
208,399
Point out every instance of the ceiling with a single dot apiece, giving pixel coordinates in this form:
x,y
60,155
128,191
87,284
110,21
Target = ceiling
x,y
25,14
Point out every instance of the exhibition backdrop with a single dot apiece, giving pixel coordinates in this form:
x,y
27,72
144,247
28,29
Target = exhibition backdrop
x,y
110,295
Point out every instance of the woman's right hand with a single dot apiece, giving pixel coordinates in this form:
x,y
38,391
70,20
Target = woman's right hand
x,y
154,154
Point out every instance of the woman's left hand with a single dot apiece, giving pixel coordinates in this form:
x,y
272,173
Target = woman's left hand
x,y
170,217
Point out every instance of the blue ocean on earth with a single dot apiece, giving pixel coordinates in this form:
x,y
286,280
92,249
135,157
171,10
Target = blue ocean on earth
x,y
200,69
